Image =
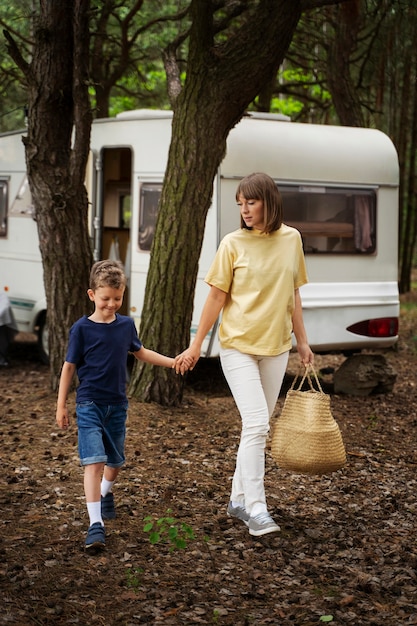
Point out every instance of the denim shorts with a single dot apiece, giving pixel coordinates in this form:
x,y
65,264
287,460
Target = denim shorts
x,y
101,433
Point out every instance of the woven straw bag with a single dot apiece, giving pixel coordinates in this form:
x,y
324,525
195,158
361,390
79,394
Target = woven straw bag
x,y
306,438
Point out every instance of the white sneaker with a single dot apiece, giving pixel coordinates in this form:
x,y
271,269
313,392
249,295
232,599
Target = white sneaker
x,y
262,524
239,512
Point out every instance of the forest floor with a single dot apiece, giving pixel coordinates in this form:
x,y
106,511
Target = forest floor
x,y
346,553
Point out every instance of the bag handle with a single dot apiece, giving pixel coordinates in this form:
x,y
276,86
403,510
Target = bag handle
x,y
308,370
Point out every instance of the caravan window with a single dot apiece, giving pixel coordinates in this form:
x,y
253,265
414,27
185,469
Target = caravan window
x,y
332,220
3,208
148,212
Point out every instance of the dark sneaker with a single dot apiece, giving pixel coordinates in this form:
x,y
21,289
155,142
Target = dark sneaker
x,y
96,537
107,507
262,524
239,512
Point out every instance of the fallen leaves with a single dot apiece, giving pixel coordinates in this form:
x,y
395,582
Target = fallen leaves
x,y
347,549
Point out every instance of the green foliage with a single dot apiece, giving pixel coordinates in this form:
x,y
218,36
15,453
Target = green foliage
x,y
133,578
372,421
326,618
409,307
168,530
152,94
15,18
301,88
289,106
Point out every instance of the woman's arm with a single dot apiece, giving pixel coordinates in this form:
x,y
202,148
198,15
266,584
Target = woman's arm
x,y
211,311
303,348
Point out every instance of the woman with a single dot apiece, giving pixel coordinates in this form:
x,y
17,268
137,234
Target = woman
x,y
254,280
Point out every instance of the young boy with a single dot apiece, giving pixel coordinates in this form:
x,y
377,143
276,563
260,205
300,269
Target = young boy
x,y
97,349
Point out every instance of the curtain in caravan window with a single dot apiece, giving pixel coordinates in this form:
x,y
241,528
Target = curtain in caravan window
x,y
150,194
331,220
363,226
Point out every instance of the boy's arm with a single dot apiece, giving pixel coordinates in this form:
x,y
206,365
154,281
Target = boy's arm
x,y
154,358
67,374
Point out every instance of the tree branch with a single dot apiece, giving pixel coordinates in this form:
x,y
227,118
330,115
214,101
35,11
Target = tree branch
x,y
173,74
82,108
15,54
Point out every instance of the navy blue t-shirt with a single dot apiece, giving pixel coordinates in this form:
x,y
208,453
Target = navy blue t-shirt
x,y
99,352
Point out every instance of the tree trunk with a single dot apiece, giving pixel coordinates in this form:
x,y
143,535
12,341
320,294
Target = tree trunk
x,y
406,142
339,75
168,306
56,160
221,82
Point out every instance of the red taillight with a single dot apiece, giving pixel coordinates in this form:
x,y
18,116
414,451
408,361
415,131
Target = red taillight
x,y
380,327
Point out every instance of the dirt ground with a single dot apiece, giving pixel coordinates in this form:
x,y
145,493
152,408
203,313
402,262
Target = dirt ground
x,y
346,553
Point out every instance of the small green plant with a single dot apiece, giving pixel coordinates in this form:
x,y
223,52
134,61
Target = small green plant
x,y
326,618
372,420
168,530
133,578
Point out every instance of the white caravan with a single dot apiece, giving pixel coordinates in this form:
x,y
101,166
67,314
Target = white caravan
x,y
339,187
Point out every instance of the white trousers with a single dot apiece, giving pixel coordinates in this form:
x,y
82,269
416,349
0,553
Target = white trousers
x,y
255,382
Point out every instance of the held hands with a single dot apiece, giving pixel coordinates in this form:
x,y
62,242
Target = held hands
x,y
187,360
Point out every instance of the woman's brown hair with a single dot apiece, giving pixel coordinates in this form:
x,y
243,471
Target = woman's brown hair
x,y
260,186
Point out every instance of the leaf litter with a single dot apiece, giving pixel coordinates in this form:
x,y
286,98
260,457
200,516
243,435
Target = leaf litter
x,y
346,553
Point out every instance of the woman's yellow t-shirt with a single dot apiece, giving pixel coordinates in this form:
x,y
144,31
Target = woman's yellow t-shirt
x,y
259,272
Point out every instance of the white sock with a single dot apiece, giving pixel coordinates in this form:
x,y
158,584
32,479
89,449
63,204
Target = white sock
x,y
94,512
106,486
235,504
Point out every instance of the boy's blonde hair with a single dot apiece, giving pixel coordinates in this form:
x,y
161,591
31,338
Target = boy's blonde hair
x,y
107,274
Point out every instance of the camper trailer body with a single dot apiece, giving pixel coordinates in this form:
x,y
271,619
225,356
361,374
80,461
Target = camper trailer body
x,y
339,188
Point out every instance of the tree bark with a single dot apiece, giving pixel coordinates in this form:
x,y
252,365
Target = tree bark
x,y
57,146
339,74
221,81
408,166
